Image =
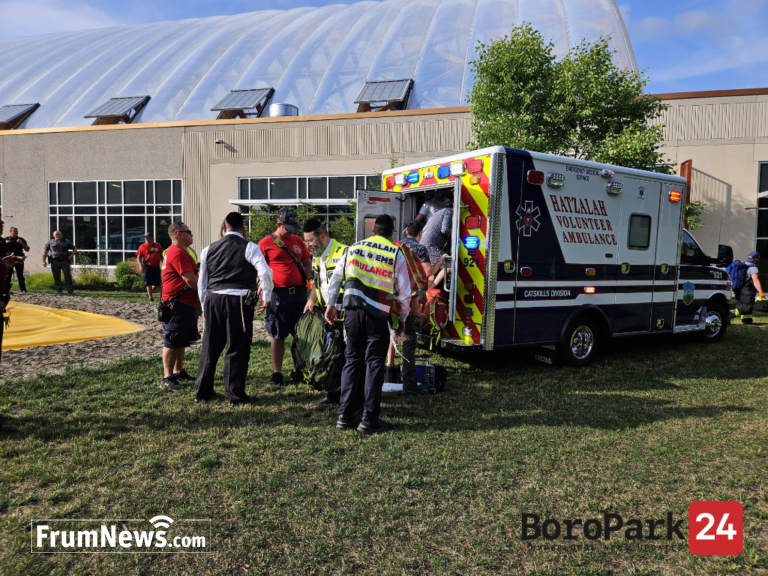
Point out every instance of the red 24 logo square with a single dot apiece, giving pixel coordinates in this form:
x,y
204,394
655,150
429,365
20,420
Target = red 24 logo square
x,y
715,528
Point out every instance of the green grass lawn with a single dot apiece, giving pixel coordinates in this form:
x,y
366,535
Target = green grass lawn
x,y
652,426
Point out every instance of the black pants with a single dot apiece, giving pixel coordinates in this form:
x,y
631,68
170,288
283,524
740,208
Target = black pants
x,y
57,267
228,323
747,299
412,327
19,276
367,342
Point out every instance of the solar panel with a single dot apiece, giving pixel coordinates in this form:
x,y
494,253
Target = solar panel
x,y
118,107
13,114
244,99
384,91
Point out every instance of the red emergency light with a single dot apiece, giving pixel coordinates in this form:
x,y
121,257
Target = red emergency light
x,y
589,289
475,165
526,272
390,182
535,177
472,222
675,196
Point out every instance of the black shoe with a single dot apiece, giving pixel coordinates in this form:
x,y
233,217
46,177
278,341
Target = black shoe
x,y
276,379
170,384
347,422
747,321
373,426
297,377
71,293
393,375
410,390
246,400
8,428
183,376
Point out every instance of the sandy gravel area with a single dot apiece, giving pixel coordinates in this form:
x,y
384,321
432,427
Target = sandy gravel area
x,y
53,359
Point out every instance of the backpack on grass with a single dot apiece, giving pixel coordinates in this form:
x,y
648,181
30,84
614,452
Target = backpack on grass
x,y
318,351
738,273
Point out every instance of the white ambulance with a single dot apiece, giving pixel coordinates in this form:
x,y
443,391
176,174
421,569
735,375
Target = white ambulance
x,y
560,253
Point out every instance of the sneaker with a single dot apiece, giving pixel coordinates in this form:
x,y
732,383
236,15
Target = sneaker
x,y
170,384
276,379
373,426
151,299
296,377
183,376
347,422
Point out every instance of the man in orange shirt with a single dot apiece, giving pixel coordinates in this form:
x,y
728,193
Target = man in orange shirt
x,y
149,256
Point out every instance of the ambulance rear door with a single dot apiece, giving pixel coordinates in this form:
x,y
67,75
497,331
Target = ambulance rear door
x,y
371,204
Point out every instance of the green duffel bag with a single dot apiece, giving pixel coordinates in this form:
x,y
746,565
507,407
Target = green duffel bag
x,y
318,351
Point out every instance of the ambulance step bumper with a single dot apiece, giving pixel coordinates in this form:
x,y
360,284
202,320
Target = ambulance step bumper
x,y
689,328
458,345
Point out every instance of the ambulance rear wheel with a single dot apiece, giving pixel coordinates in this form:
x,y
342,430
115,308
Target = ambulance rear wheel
x,y
717,321
580,342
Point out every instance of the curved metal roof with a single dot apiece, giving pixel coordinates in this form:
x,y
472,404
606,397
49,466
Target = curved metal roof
x,y
316,58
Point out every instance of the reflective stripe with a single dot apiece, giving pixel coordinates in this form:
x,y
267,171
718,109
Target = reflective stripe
x,y
336,255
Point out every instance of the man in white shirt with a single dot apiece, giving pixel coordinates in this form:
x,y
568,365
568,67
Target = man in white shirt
x,y
432,206
232,270
327,253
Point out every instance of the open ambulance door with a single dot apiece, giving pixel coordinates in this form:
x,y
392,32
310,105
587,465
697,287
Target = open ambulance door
x,y
453,255
371,204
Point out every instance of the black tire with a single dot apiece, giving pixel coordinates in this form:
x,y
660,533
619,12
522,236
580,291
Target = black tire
x,y
717,322
581,342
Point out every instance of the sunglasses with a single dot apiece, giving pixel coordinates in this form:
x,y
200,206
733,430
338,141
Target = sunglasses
x,y
187,231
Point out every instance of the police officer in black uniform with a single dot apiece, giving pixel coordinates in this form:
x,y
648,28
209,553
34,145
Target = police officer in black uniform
x,y
16,245
61,259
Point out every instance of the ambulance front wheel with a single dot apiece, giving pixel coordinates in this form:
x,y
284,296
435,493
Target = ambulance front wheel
x,y
580,342
717,321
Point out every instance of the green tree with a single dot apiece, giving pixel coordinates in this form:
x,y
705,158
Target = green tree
x,y
340,226
582,106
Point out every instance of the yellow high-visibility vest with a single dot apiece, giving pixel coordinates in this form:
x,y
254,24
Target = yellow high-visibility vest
x,y
370,276
335,256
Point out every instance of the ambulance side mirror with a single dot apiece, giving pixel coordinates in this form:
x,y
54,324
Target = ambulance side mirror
x,y
724,255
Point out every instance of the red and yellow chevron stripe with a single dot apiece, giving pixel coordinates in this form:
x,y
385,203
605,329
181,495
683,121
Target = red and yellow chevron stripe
x,y
470,283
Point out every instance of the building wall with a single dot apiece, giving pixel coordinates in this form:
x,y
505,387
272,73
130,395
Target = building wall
x,y
726,137
33,160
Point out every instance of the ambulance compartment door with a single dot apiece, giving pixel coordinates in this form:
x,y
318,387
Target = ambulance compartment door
x,y
371,204
635,273
667,259
453,255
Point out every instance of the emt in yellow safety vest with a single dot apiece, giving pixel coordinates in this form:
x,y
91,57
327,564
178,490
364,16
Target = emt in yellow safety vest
x,y
376,289
326,253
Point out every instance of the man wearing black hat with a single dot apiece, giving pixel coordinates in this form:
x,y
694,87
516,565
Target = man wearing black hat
x,y
291,266
751,291
150,256
229,271
377,289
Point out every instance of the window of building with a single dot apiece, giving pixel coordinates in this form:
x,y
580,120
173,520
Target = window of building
x,y
107,220
761,243
311,189
639,232
384,95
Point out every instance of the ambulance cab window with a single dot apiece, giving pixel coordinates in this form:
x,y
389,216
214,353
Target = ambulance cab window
x,y
689,252
639,232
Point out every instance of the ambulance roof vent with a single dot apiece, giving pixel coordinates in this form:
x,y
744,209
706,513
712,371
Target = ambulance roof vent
x,y
384,95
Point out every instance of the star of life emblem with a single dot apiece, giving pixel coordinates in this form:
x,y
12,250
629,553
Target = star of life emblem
x,y
528,218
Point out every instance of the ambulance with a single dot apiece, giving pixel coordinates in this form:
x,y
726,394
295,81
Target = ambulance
x,y
560,253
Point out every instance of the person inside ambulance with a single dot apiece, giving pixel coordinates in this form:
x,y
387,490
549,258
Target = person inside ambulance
x,y
326,253
752,292
432,206
436,237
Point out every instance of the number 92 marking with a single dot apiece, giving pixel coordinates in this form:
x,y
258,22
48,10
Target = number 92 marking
x,y
472,262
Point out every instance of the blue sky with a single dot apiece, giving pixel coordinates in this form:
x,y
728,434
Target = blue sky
x,y
685,45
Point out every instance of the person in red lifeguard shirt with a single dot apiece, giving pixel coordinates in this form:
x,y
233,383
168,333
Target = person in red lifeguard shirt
x,y
291,266
179,301
150,256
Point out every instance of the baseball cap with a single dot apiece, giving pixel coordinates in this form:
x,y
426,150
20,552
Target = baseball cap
x,y
289,219
753,255
148,234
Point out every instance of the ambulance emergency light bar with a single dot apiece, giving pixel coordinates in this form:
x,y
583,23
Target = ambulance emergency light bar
x,y
472,242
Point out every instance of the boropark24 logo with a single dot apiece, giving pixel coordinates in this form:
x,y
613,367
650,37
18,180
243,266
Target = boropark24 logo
x,y
716,528
160,534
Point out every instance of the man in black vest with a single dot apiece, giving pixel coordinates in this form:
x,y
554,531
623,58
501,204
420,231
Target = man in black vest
x,y
230,268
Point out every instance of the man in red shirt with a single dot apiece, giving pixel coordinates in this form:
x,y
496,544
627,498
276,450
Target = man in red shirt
x,y
150,256
179,301
291,265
